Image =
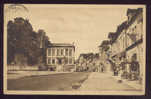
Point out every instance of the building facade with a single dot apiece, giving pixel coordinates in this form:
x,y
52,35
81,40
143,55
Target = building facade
x,y
127,43
60,56
135,38
104,52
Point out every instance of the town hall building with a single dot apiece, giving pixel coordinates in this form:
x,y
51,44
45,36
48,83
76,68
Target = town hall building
x,y
60,56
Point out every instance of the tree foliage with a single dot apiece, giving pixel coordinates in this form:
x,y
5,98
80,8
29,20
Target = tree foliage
x,y
23,40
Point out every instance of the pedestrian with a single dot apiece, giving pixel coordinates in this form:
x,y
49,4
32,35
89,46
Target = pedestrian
x,y
134,68
123,70
114,68
117,70
102,68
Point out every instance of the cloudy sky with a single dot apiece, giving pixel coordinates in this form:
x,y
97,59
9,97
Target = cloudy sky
x,y
85,25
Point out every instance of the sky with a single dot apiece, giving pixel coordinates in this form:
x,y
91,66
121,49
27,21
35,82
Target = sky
x,y
84,25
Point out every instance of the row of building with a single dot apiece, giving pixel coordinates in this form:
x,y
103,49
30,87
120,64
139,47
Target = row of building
x,y
87,62
125,48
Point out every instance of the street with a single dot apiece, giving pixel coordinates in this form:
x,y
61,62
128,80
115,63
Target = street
x,y
83,81
61,81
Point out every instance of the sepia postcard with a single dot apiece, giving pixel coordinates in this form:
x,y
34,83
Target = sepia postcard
x,y
74,49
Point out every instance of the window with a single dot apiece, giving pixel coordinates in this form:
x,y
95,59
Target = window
x,y
66,52
49,52
70,61
53,52
53,61
61,52
57,52
128,18
66,61
73,61
59,61
49,60
70,52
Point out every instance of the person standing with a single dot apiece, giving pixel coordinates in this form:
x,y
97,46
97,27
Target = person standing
x,y
134,68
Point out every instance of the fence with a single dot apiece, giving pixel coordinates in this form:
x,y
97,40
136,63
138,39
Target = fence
x,y
22,68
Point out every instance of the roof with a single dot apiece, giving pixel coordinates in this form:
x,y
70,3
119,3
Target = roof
x,y
137,12
61,45
119,30
125,25
133,11
111,35
86,55
105,43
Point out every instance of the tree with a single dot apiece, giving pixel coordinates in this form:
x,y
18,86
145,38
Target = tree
x,y
23,41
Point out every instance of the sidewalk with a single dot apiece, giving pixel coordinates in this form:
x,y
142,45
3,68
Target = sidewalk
x,y
134,84
20,74
105,81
